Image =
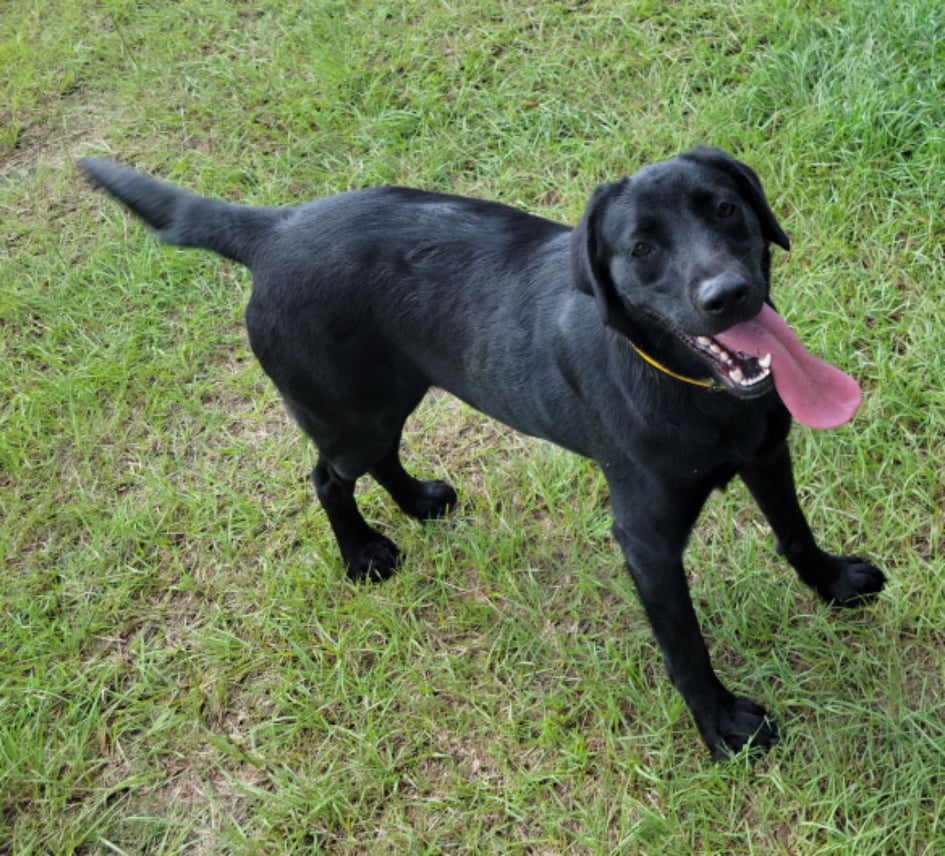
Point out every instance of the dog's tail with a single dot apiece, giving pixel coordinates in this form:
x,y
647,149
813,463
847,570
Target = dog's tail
x,y
183,218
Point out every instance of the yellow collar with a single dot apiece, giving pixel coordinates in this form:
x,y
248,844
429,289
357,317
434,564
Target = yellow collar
x,y
707,383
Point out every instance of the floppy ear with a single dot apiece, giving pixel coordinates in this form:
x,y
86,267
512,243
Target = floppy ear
x,y
749,184
588,262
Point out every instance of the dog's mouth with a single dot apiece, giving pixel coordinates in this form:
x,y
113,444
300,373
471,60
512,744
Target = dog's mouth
x,y
744,374
755,355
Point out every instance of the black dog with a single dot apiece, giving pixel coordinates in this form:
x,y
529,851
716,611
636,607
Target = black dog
x,y
644,339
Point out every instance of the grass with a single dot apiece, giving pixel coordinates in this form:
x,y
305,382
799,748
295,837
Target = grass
x,y
183,667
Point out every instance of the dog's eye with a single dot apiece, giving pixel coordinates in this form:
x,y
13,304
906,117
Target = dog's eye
x,y
641,249
725,209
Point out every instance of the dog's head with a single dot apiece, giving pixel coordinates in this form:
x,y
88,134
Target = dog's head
x,y
678,253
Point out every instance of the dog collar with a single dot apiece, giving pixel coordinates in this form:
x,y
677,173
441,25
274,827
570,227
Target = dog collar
x,y
710,384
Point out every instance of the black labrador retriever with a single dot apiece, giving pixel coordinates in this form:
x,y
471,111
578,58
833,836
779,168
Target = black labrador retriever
x,y
644,338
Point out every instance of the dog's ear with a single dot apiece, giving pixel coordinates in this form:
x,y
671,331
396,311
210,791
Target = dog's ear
x,y
588,261
749,184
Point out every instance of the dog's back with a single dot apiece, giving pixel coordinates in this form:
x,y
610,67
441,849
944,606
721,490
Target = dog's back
x,y
375,289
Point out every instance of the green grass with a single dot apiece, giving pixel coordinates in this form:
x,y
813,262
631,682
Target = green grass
x,y
183,666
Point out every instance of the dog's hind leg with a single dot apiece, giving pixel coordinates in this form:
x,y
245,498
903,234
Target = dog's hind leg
x,y
368,555
343,458
367,443
424,500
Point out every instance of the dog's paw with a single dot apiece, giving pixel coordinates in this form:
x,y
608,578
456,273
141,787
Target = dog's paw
x,y
432,499
373,561
741,724
852,582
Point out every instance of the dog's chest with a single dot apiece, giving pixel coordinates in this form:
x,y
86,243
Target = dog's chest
x,y
703,444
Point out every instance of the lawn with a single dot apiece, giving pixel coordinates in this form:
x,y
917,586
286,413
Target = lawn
x,y
184,667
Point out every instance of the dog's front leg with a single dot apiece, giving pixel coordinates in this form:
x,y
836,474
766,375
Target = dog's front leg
x,y
839,580
654,557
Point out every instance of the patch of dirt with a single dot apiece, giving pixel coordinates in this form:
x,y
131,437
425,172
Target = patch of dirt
x,y
53,137
448,436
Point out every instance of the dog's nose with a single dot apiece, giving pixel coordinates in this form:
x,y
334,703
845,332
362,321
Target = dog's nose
x,y
722,294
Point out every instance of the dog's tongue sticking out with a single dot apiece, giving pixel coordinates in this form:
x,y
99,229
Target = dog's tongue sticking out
x,y
817,394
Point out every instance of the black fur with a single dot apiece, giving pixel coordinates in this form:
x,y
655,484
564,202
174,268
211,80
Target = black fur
x,y
364,300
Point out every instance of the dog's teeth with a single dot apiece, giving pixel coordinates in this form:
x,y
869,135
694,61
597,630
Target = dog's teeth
x,y
716,349
765,361
736,375
704,340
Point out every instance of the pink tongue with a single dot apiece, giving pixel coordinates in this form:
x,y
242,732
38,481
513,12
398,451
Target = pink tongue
x,y
817,394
